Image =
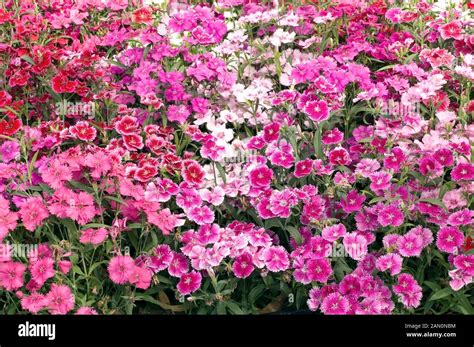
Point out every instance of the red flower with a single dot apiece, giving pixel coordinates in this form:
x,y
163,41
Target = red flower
x,y
339,156
41,58
451,30
145,173
5,98
61,84
142,15
192,172
133,142
83,131
127,126
10,127
19,78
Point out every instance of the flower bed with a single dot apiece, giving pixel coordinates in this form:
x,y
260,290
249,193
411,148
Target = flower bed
x,y
236,158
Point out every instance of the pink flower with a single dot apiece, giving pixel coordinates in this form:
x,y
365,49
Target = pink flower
x,y
334,232
161,190
303,168
178,113
380,181
214,196
261,177
121,268
243,266
408,290
60,299
355,245
42,270
83,131
339,156
282,158
189,283
11,275
85,310
449,239
161,258
178,265
56,174
317,111
321,247
444,157
201,215
390,215
463,172
81,207
332,137
140,277
192,172
465,263
452,30
395,159
9,150
165,220
188,198
319,269
94,236
391,262
276,258
127,125
463,217
335,304
459,279
353,201
34,302
33,212
271,132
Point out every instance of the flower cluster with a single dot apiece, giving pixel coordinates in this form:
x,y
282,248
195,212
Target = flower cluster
x,y
352,125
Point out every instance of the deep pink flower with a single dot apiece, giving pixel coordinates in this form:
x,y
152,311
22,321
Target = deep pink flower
x,y
127,125
303,168
60,299
140,277
339,156
391,262
332,137
201,215
463,172
34,302
261,177
276,258
271,132
465,262
319,269
33,212
243,266
352,202
463,217
161,258
452,30
321,247
395,159
410,245
11,275
449,239
94,236
380,181
355,245
121,268
334,232
178,265
317,111
189,283
83,131
192,172
282,158
85,310
41,270
165,220
390,215
444,157
335,304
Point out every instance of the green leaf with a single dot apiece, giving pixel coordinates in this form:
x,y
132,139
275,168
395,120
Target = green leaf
x,y
436,202
441,294
221,170
221,308
234,308
28,59
294,233
94,225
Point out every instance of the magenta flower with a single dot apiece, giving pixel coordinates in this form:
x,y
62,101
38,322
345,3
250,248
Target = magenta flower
x,y
319,269
463,172
276,258
33,213
335,304
11,275
94,236
189,283
261,177
317,111
463,217
334,232
34,302
201,215
121,268
380,181
449,239
352,202
332,137
271,132
355,245
465,262
161,258
303,168
60,299
41,270
391,262
243,266
390,215
178,265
